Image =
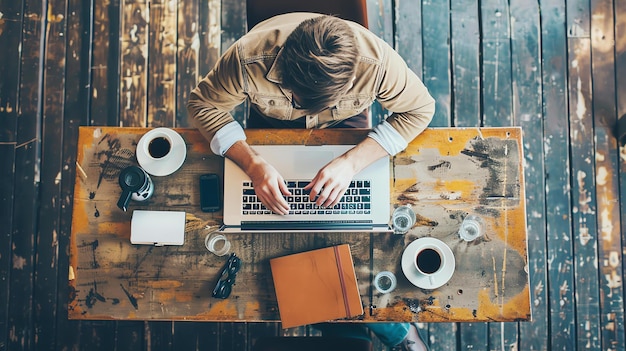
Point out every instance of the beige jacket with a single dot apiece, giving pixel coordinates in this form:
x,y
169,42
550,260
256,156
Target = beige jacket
x,y
248,70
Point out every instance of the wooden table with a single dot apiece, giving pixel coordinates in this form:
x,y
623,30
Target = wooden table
x,y
445,173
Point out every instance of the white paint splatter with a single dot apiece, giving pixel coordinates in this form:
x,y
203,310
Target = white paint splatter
x,y
606,225
601,176
613,280
581,108
584,235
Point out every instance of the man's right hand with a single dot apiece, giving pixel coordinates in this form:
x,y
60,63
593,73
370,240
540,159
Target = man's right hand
x,y
269,185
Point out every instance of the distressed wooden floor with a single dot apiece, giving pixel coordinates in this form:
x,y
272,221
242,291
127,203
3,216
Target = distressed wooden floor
x,y
556,68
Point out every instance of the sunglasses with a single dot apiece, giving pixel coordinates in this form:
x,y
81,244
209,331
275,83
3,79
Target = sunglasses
x,y
227,277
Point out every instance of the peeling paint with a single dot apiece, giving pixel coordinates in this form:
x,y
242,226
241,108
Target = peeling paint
x,y
584,235
606,225
18,262
601,176
613,280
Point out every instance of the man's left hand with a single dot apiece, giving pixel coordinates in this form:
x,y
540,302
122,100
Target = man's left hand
x,y
331,182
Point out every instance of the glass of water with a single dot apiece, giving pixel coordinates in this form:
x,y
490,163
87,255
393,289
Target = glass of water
x,y
402,219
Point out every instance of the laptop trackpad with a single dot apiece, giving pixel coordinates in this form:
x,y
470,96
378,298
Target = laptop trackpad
x,y
311,161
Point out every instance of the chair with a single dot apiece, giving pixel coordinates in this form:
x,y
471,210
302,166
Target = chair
x,y
260,10
311,343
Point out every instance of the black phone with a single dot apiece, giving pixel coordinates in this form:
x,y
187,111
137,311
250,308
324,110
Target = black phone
x,y
210,199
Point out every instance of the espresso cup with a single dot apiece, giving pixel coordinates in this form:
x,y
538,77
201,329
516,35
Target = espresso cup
x,y
159,147
429,260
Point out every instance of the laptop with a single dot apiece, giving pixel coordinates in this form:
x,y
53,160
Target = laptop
x,y
364,206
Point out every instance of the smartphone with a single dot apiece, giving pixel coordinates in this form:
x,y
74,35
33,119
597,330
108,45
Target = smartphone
x,y
210,199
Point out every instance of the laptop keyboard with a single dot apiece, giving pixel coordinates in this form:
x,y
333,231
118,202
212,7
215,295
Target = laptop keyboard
x,y
356,200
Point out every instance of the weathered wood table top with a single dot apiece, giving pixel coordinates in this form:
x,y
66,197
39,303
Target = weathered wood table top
x,y
444,174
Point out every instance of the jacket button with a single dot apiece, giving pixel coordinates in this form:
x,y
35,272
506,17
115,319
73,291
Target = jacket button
x,y
356,103
272,103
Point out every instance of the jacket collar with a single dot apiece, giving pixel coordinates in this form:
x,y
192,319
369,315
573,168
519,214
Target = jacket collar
x,y
274,74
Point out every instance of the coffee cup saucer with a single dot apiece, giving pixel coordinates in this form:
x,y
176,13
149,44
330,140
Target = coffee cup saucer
x,y
167,164
420,280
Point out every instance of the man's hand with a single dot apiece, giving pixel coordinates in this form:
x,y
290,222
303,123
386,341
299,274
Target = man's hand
x,y
331,182
269,185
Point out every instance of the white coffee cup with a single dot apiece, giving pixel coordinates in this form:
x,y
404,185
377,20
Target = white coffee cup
x,y
428,261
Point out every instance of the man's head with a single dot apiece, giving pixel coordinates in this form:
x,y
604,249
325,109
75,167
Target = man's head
x,y
318,61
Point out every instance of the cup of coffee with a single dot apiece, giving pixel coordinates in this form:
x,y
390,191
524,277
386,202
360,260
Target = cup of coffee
x,y
159,147
429,260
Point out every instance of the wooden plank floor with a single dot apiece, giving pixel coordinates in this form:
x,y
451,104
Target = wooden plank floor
x,y
556,68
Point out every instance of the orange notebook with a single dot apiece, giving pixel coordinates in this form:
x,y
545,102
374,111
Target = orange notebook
x,y
316,286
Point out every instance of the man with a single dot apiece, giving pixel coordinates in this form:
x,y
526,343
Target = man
x,y
305,70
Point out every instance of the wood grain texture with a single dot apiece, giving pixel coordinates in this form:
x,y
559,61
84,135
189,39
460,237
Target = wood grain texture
x,y
187,65
527,112
497,97
10,34
436,44
162,47
232,26
45,282
381,22
466,105
7,193
583,193
105,73
134,20
607,171
556,158
497,109
179,278
68,332
408,34
27,176
541,72
466,80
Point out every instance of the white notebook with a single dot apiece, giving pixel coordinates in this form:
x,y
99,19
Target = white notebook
x,y
157,228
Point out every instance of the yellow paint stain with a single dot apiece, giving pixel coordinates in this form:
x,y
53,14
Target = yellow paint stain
x,y
464,187
174,295
252,308
223,308
121,230
451,141
165,284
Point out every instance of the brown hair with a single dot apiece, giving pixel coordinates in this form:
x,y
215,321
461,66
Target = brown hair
x,y
319,60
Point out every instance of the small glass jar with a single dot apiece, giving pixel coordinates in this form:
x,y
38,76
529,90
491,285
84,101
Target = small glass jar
x,y
402,219
217,243
471,228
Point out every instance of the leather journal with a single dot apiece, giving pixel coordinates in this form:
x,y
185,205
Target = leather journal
x,y
316,286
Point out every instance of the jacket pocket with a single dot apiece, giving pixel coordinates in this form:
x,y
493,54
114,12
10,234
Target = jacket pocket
x,y
278,107
351,107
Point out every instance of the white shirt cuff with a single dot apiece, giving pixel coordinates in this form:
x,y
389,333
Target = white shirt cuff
x,y
226,137
389,138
